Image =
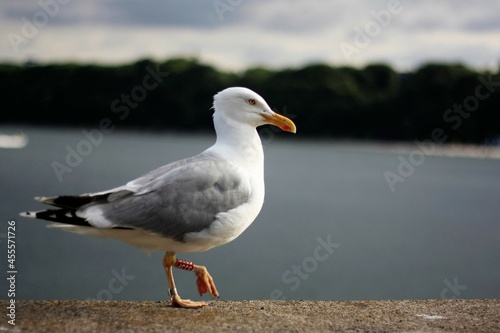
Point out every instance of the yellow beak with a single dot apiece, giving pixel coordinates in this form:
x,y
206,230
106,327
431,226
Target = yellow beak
x,y
281,121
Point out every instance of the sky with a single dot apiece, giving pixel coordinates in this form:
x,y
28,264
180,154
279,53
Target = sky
x,y
237,34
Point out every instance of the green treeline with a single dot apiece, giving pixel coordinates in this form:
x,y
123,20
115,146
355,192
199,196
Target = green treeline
x,y
374,102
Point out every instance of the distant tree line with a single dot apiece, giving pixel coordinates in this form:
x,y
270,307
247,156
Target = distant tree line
x,y
374,102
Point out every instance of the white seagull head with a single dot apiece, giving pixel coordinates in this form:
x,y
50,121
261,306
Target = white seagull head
x,y
243,106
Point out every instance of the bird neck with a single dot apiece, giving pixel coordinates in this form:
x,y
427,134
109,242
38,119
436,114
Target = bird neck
x,y
238,141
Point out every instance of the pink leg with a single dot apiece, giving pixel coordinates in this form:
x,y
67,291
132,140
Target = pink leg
x,y
204,281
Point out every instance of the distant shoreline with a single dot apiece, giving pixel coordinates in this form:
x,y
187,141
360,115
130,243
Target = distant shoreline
x,y
453,150
446,102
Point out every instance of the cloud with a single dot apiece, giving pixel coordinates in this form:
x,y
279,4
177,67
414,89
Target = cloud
x,y
185,13
274,33
488,24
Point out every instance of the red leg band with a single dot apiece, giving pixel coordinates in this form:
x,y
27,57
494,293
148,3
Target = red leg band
x,y
184,264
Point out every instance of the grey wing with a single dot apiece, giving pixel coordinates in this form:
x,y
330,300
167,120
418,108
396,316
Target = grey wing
x,y
184,199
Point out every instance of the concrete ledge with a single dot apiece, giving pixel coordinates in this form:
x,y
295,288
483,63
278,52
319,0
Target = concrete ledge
x,y
262,315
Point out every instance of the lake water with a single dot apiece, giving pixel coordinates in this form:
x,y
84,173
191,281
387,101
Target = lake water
x,y
331,227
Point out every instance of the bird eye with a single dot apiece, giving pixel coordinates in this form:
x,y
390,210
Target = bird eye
x,y
252,101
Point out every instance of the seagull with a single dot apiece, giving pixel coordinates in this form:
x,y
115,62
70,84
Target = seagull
x,y
190,205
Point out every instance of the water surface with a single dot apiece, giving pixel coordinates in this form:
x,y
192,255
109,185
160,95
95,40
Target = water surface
x,y
330,228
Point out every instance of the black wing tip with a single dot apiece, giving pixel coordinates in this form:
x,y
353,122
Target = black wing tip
x,y
72,201
61,215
